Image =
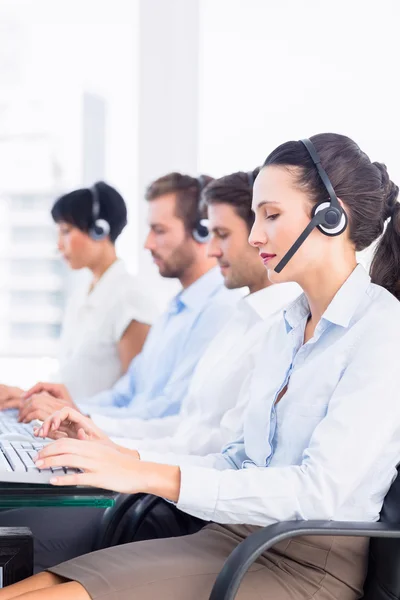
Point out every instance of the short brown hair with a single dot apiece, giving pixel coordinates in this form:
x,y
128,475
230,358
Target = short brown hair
x,y
187,191
236,190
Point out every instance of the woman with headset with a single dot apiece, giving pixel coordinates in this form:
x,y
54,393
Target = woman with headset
x,y
321,437
106,322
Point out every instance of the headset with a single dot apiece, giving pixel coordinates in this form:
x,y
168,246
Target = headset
x,y
100,228
251,178
200,233
327,216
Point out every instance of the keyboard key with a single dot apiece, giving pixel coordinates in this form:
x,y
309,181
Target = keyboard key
x,y
4,464
14,459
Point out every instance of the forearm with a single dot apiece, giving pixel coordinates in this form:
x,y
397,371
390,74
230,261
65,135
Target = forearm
x,y
162,480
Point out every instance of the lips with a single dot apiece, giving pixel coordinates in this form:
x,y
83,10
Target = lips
x,y
266,257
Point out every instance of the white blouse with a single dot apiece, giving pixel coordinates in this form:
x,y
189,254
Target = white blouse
x,y
94,323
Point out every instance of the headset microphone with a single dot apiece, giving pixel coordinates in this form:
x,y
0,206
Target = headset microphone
x,y
100,228
200,232
327,216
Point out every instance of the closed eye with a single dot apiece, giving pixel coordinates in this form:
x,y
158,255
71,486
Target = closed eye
x,y
273,217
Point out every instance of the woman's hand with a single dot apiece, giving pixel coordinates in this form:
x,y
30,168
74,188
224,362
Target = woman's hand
x,y
68,422
57,390
107,467
39,406
10,397
104,466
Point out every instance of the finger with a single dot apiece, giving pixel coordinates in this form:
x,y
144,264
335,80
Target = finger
x,y
82,434
24,409
67,460
58,419
36,389
91,479
50,425
42,406
35,413
67,446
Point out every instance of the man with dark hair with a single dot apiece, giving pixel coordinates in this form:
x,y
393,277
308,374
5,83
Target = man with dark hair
x,y
157,379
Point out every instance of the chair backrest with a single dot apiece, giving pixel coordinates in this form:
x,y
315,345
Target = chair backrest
x,y
383,579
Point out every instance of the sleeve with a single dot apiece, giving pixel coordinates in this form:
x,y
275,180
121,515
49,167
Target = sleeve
x,y
207,324
132,305
204,436
361,426
138,429
211,461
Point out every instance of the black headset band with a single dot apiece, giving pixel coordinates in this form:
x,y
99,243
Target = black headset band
x,y
321,172
95,203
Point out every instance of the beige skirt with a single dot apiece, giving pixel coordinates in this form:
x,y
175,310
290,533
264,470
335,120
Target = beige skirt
x,y
185,568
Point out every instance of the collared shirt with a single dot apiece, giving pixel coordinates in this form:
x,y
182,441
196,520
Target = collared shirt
x,y
329,448
211,414
158,378
93,325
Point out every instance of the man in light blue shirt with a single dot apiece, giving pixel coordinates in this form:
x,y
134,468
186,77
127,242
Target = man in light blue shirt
x,y
158,378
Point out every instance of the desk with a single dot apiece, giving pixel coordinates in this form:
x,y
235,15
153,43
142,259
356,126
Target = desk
x,y
21,495
16,544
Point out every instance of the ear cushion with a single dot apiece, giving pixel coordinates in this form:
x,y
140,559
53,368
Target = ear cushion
x,y
201,234
326,230
100,230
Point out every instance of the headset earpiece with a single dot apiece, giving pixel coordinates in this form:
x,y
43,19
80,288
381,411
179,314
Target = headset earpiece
x,y
333,222
200,233
100,228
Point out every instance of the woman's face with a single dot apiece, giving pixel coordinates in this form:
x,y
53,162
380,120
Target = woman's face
x,y
282,212
76,247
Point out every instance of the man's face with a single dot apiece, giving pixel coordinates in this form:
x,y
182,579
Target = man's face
x,y
239,263
172,248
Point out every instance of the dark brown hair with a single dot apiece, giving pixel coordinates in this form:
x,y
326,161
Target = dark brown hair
x,y
187,192
236,190
369,196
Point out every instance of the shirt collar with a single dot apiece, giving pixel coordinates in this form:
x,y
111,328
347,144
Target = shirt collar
x,y
272,299
105,284
197,294
342,307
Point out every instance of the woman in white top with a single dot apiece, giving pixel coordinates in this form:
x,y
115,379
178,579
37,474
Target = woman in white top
x,y
107,321
321,437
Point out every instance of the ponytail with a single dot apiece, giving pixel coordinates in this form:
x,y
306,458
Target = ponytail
x,y
385,266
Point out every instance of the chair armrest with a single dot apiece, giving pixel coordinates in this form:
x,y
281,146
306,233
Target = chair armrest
x,y
108,531
239,561
137,505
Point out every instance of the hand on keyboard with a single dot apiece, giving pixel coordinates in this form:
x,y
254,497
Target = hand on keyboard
x,y
17,464
39,406
10,397
68,422
103,466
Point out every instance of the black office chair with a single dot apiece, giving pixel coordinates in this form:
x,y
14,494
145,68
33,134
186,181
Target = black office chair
x,y
121,522
383,577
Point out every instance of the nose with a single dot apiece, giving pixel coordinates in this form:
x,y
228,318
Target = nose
x,y
258,236
214,249
149,242
60,243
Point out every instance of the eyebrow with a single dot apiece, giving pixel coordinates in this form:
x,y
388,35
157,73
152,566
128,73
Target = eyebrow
x,y
220,228
264,202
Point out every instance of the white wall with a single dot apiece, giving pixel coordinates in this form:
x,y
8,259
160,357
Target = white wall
x,y
273,71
